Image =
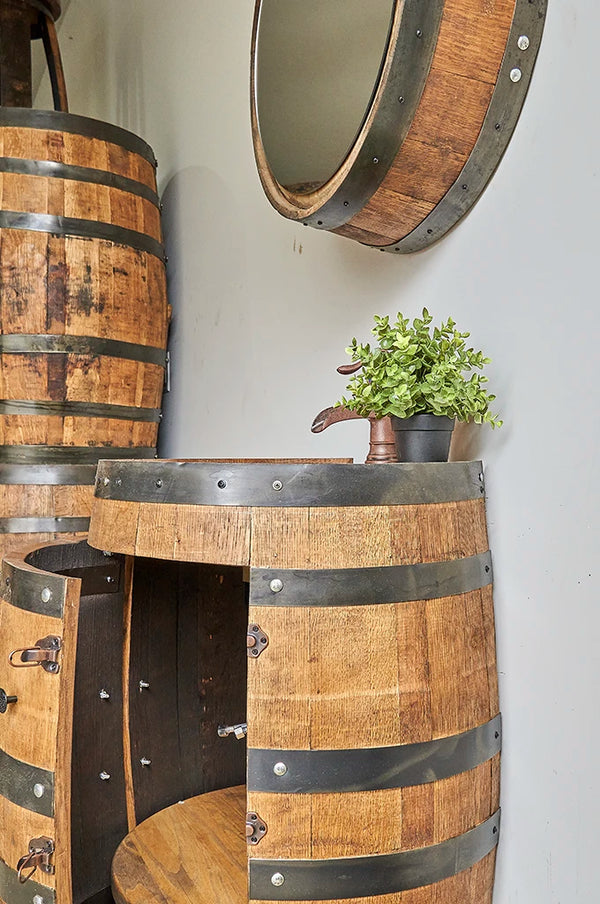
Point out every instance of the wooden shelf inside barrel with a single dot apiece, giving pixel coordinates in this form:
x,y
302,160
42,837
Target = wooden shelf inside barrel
x,y
191,853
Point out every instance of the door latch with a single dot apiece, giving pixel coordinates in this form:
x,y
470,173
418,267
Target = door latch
x,y
40,852
44,652
240,730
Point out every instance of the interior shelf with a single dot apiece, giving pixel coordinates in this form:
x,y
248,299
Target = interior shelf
x,y
194,852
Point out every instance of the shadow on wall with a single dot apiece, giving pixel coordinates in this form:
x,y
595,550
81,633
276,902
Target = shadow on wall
x,y
206,273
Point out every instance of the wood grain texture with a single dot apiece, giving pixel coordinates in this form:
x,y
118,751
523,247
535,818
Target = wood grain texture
x,y
42,501
82,287
190,853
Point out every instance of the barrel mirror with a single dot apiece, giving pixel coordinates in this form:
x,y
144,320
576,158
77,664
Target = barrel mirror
x,y
317,66
384,121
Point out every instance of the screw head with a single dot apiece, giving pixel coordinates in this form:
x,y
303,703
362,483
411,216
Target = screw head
x,y
276,585
39,790
104,776
277,485
106,481
144,761
158,483
280,769
277,879
46,595
523,42
37,899
104,695
515,75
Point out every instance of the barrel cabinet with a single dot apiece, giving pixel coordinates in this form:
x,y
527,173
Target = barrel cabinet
x,y
83,314
371,712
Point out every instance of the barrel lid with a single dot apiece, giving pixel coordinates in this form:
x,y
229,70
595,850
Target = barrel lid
x,y
23,117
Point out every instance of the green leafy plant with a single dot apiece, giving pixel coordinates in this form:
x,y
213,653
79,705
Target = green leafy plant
x,y
416,369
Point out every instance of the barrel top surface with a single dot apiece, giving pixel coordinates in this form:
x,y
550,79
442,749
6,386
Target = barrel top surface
x,y
193,852
24,118
281,485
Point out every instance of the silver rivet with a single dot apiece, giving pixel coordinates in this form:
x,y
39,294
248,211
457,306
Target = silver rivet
x,y
39,790
375,159
37,899
280,769
46,595
277,879
104,776
523,43
106,481
276,585
515,75
419,33
142,685
106,553
104,695
109,579
277,485
119,482
159,483
144,761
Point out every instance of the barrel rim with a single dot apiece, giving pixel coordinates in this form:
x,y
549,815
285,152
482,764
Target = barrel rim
x,y
54,120
188,482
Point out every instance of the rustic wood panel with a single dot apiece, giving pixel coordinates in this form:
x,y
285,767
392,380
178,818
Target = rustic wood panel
x,y
188,643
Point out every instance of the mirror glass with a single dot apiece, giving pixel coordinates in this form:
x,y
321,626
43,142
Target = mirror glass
x,y
317,65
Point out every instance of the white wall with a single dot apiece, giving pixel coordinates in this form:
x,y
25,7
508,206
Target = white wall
x,y
264,308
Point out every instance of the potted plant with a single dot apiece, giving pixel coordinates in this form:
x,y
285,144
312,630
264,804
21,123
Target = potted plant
x,y
424,378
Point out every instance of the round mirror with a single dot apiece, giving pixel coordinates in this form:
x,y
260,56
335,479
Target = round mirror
x,y
316,68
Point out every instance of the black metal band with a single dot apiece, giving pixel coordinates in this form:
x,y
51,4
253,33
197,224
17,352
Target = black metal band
x,y
51,169
369,586
18,781
373,768
497,130
21,464
53,120
88,229
44,525
33,591
411,57
284,485
78,409
14,892
383,874
50,343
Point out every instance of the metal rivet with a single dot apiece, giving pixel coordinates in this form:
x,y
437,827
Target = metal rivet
x,y
319,222
419,33
515,74
277,879
277,485
142,685
280,769
487,569
375,159
144,761
221,484
465,186
346,203
39,790
46,595
495,830
104,776
104,695
497,126
523,43
430,232
119,482
7,582
158,483
106,481
481,477
276,585
37,899
109,579
401,99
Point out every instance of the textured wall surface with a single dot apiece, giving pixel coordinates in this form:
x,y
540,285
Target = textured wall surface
x,y
262,310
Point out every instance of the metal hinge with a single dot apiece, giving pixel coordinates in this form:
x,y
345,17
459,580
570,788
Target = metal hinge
x,y
256,828
40,851
44,653
240,730
256,641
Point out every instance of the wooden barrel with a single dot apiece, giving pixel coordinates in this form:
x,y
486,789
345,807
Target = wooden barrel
x,y
451,86
373,724
83,307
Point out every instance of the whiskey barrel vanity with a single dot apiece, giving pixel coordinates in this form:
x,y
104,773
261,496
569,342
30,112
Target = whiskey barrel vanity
x,y
367,688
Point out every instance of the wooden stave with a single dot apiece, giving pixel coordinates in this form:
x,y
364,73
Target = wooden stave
x,y
290,817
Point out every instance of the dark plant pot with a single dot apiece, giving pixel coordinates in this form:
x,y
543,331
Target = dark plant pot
x,y
423,437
